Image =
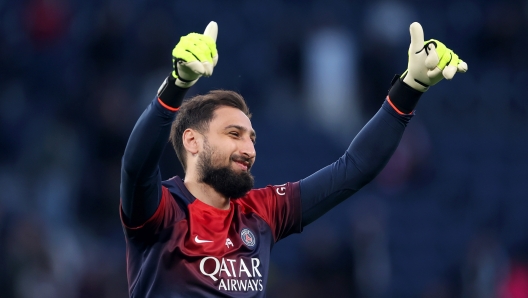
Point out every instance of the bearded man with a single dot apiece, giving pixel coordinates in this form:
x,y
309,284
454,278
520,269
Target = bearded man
x,y
210,234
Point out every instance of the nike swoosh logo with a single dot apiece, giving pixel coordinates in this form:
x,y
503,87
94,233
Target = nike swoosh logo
x,y
200,240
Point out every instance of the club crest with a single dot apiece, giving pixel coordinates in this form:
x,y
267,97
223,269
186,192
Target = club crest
x,y
247,237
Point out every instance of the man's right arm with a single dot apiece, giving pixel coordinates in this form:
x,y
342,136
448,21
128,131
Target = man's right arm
x,y
140,174
194,56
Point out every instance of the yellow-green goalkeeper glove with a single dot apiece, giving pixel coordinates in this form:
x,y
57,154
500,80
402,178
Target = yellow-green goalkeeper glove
x,y
195,56
430,61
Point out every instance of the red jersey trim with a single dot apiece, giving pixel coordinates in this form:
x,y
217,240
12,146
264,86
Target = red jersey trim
x,y
156,214
292,223
395,108
167,106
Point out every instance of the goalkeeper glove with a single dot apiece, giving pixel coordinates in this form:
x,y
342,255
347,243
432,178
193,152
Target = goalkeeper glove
x,y
429,62
195,56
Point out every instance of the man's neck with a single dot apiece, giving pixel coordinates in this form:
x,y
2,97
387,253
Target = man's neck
x,y
207,194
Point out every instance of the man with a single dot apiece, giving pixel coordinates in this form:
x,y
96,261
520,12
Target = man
x,y
210,234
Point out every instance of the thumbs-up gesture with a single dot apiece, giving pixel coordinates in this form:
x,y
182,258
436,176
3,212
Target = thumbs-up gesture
x,y
195,56
430,61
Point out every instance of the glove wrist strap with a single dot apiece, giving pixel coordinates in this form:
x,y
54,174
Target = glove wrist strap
x,y
170,93
404,97
184,84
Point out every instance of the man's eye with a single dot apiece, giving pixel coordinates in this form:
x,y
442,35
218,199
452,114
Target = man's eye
x,y
234,133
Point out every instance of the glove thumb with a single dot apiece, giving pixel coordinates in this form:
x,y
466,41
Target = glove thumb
x,y
211,30
417,37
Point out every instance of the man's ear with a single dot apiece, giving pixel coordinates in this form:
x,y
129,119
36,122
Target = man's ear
x,y
191,140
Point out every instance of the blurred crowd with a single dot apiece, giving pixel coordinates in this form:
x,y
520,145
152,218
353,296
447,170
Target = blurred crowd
x,y
446,217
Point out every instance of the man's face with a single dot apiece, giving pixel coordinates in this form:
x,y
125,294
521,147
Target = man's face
x,y
228,153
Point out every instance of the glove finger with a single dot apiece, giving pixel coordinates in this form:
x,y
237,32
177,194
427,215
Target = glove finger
x,y
451,68
211,48
417,37
215,60
181,53
201,51
445,59
195,66
205,48
195,44
212,30
449,72
432,59
184,49
440,47
433,73
208,69
462,66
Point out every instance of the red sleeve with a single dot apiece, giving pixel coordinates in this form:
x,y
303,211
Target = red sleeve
x,y
167,214
279,206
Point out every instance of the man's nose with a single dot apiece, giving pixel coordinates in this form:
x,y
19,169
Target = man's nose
x,y
248,149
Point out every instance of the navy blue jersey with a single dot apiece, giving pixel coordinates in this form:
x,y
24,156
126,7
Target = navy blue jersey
x,y
178,246
190,249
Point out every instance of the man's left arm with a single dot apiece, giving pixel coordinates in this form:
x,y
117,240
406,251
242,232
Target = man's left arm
x,y
371,149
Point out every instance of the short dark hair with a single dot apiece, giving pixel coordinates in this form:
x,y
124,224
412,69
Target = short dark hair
x,y
198,111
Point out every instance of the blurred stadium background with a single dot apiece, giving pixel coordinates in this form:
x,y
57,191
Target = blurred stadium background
x,y
446,218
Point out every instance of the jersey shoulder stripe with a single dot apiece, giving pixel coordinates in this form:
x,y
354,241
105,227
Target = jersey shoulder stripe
x,y
180,193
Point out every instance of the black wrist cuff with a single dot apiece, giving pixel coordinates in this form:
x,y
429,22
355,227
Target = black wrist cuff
x,y
403,97
170,94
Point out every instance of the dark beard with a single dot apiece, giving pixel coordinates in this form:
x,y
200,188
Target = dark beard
x,y
224,180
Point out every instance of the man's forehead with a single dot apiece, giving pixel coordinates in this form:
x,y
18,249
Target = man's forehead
x,y
226,117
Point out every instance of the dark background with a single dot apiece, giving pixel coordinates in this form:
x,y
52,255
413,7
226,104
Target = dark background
x,y
446,218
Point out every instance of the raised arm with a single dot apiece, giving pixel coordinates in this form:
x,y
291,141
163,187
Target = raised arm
x,y
140,176
371,149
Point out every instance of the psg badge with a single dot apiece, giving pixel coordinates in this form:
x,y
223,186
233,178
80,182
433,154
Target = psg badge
x,y
247,237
